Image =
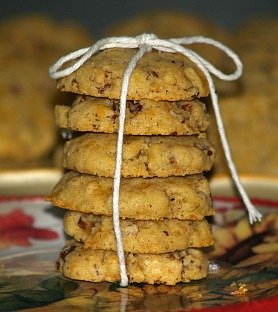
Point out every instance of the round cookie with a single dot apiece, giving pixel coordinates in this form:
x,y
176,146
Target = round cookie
x,y
28,45
176,24
143,156
185,198
256,45
251,123
41,38
158,76
27,129
144,117
99,265
260,29
97,232
28,132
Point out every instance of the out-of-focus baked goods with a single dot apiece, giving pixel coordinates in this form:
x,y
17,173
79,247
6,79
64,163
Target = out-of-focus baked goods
x,y
257,46
251,123
29,45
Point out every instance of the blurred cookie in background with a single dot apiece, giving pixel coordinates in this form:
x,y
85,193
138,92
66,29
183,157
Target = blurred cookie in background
x,y
27,128
29,45
251,118
174,24
251,124
257,45
43,38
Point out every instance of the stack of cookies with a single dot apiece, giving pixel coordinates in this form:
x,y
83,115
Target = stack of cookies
x,y
164,197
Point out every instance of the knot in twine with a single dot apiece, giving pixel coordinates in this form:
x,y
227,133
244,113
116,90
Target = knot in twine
x,y
146,43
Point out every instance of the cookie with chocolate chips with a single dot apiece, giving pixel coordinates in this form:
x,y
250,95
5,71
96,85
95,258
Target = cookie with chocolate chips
x,y
139,236
28,45
102,265
143,156
158,76
176,24
143,117
185,198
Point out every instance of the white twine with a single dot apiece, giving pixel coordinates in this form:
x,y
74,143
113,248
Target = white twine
x,y
146,43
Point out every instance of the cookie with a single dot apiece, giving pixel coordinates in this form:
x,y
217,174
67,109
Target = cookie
x,y
264,27
251,122
27,129
143,156
260,60
97,232
36,36
75,262
144,117
28,95
176,24
158,76
185,198
28,132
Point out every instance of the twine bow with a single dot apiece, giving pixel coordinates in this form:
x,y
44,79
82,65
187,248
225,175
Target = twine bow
x,y
146,43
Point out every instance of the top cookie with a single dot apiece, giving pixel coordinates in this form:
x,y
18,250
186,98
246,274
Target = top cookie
x,y
157,76
175,24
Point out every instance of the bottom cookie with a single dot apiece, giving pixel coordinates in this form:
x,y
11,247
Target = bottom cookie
x,y
75,262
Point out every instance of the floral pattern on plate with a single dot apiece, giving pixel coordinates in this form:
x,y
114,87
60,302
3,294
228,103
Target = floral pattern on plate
x,y
243,265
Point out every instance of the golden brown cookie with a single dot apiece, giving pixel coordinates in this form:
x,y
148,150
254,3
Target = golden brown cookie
x,y
185,198
143,156
101,265
257,46
158,76
27,126
40,37
251,123
143,117
97,232
176,24
28,46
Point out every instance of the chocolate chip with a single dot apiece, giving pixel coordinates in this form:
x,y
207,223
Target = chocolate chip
x,y
166,233
74,83
209,152
172,160
187,107
67,250
134,107
83,98
115,105
205,149
154,73
104,87
82,224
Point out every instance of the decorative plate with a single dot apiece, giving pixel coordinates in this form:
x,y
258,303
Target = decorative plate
x,y
243,261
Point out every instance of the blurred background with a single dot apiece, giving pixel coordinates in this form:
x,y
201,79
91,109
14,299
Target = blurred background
x,y
33,34
97,15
